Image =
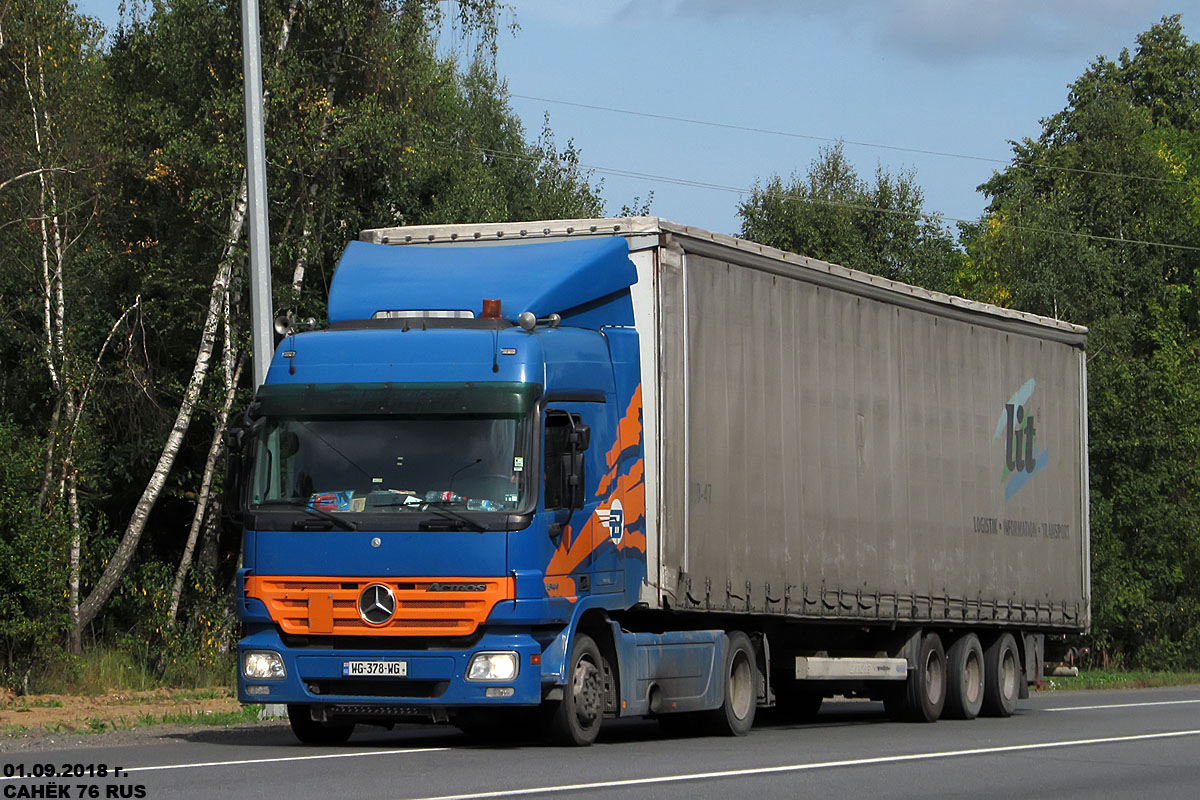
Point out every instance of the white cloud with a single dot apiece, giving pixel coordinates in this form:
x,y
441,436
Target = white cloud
x,y
938,31
959,30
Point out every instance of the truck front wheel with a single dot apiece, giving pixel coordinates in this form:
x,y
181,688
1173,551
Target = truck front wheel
x,y
575,720
309,731
735,717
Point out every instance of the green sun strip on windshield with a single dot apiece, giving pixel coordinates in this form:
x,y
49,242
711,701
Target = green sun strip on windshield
x,y
489,398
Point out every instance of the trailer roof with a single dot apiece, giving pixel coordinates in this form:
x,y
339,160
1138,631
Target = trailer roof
x,y
730,248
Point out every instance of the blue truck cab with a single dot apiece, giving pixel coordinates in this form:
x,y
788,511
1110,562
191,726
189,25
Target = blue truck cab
x,y
443,496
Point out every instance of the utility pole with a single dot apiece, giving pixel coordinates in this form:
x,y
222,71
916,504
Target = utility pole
x,y
261,316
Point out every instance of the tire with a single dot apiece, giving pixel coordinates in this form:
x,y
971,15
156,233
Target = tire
x,y
1002,677
735,717
923,695
964,678
309,731
575,720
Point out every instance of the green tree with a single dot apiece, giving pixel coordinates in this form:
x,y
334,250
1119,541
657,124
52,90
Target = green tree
x,y
834,215
62,321
131,154
1095,221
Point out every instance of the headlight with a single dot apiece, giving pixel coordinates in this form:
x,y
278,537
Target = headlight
x,y
262,665
492,667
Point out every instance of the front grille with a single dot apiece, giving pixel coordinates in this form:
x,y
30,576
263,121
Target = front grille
x,y
393,643
356,687
329,606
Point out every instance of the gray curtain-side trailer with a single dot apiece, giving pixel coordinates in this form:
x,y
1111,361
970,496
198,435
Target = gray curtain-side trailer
x,y
866,477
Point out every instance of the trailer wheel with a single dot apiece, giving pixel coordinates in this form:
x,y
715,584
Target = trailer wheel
x,y
1002,677
964,670
923,695
735,717
309,731
575,720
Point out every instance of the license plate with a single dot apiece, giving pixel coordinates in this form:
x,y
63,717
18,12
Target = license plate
x,y
390,669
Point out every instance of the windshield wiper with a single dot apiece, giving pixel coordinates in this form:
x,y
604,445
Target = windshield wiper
x,y
448,514
340,521
435,507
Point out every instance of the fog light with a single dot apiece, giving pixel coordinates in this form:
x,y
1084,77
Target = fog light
x,y
500,691
263,665
492,667
258,690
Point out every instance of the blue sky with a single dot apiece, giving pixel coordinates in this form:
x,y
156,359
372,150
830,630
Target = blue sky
x,y
952,76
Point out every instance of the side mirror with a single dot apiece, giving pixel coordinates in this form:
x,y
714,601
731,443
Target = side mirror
x,y
573,479
235,435
573,469
580,438
236,438
566,441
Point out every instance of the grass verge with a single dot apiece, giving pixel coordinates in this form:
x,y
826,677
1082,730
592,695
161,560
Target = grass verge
x,y
104,669
1122,679
100,724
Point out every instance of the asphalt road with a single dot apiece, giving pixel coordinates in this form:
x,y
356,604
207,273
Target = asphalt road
x,y
1110,744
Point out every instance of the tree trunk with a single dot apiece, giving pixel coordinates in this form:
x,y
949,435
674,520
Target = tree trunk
x,y
74,637
215,450
54,314
48,468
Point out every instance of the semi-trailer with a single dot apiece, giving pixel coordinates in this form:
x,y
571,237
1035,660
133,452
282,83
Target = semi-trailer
x,y
559,472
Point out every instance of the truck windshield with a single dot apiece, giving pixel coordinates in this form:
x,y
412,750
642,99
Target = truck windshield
x,y
387,464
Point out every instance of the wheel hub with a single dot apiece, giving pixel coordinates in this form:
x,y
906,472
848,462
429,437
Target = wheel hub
x,y
588,693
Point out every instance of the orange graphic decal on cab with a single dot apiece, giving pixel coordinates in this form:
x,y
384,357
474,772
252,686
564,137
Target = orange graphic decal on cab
x,y
620,519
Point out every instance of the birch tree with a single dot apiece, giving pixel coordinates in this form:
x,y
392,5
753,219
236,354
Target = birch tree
x,y
51,70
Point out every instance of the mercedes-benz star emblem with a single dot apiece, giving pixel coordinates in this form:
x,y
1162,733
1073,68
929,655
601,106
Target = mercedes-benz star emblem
x,y
376,604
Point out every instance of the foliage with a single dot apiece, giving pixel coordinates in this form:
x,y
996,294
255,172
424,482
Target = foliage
x,y
834,215
1095,221
33,618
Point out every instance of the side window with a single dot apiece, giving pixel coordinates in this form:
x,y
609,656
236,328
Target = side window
x,y
566,441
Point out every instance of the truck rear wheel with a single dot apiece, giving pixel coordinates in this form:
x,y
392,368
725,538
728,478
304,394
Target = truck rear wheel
x,y
309,731
575,720
923,695
964,671
735,717
1002,677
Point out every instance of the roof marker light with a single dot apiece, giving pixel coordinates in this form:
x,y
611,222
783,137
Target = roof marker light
x,y
491,309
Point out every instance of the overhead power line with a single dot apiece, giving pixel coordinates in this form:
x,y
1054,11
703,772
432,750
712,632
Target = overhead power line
x,y
625,173
813,138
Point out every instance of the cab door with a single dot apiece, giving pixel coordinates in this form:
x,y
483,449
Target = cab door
x,y
571,470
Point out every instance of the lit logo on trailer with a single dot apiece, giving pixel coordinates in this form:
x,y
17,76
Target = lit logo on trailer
x,y
1017,429
613,518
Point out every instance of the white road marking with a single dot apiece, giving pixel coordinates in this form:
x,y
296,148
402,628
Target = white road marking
x,y
243,762
857,762
1124,705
